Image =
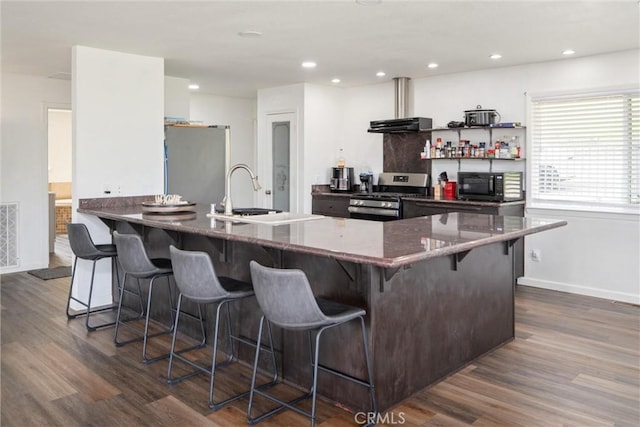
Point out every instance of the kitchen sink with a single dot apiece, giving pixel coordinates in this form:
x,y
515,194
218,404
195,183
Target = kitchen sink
x,y
268,219
254,211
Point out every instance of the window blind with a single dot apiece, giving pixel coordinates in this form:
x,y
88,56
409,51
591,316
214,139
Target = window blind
x,y
586,151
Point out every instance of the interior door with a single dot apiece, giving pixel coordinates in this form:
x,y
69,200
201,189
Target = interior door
x,y
279,174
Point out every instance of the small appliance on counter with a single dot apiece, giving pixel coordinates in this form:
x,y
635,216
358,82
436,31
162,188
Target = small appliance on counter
x,y
366,183
490,186
342,179
480,117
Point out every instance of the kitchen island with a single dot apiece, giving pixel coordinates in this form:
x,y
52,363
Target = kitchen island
x,y
438,290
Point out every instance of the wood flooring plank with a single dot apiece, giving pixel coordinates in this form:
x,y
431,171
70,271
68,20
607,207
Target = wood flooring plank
x,y
87,382
39,378
177,413
518,405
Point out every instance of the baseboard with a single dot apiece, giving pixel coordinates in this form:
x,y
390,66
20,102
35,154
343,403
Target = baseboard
x,y
580,290
22,268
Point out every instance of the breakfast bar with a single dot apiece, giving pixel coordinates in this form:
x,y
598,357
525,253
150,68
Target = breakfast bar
x,y
438,290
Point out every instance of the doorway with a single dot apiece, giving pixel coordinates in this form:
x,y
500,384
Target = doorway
x,y
279,165
59,178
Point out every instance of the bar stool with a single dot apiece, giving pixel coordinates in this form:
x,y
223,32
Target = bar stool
x,y
135,263
286,300
83,247
197,281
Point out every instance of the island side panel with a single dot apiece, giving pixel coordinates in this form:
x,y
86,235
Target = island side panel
x,y
432,320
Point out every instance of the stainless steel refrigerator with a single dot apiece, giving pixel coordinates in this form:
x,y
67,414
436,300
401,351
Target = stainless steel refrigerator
x,y
196,161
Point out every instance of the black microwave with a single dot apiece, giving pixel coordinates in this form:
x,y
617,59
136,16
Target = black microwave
x,y
490,186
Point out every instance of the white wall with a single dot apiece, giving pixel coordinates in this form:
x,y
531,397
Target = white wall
x,y
118,109
240,114
322,142
176,97
362,105
23,157
59,139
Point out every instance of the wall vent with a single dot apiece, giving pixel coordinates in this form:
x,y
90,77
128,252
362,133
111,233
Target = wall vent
x,y
9,235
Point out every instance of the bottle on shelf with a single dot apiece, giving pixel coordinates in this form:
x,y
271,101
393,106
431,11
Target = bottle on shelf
x,y
427,150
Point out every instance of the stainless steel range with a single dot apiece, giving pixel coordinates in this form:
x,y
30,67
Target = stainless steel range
x,y
386,203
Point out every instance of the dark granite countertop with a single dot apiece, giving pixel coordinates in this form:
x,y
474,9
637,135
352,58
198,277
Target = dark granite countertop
x,y
429,199
384,244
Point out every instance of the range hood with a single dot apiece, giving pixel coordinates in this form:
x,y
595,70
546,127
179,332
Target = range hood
x,y
410,124
401,123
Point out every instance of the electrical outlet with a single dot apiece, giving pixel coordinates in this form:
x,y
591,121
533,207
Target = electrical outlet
x,y
118,189
536,255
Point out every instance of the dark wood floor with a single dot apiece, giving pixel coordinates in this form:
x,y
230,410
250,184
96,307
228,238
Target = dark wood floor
x,y
574,362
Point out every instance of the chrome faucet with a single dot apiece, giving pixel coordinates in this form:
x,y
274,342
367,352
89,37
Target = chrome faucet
x,y
228,205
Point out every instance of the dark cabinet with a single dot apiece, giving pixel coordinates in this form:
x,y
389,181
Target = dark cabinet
x,y
329,205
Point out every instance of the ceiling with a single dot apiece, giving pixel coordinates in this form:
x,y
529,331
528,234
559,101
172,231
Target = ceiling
x,y
200,42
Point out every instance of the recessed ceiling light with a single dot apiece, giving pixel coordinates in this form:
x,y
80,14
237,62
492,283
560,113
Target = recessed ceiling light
x,y
381,74
368,2
496,56
250,33
335,80
194,86
569,52
309,64
432,65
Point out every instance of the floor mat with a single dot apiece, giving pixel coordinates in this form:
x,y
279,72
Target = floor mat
x,y
51,273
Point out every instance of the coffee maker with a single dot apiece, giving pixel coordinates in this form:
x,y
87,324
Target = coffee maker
x,y
366,182
341,179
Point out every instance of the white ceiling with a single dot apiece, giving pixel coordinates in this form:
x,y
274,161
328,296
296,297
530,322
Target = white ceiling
x,y
199,40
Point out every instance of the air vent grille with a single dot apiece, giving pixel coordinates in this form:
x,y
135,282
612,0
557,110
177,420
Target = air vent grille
x,y
9,235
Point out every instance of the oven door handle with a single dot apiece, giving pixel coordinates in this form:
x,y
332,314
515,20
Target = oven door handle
x,y
374,211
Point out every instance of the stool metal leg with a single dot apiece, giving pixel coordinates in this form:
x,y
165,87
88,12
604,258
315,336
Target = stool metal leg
x,y
119,321
314,356
258,389
211,370
217,405
111,307
88,312
146,336
173,353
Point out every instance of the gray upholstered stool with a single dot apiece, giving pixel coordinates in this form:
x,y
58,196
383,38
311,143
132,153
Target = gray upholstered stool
x,y
135,263
83,247
197,281
286,300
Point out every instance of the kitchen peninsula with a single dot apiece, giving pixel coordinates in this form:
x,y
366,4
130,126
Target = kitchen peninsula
x,y
438,290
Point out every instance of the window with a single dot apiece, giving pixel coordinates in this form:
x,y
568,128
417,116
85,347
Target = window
x,y
586,151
